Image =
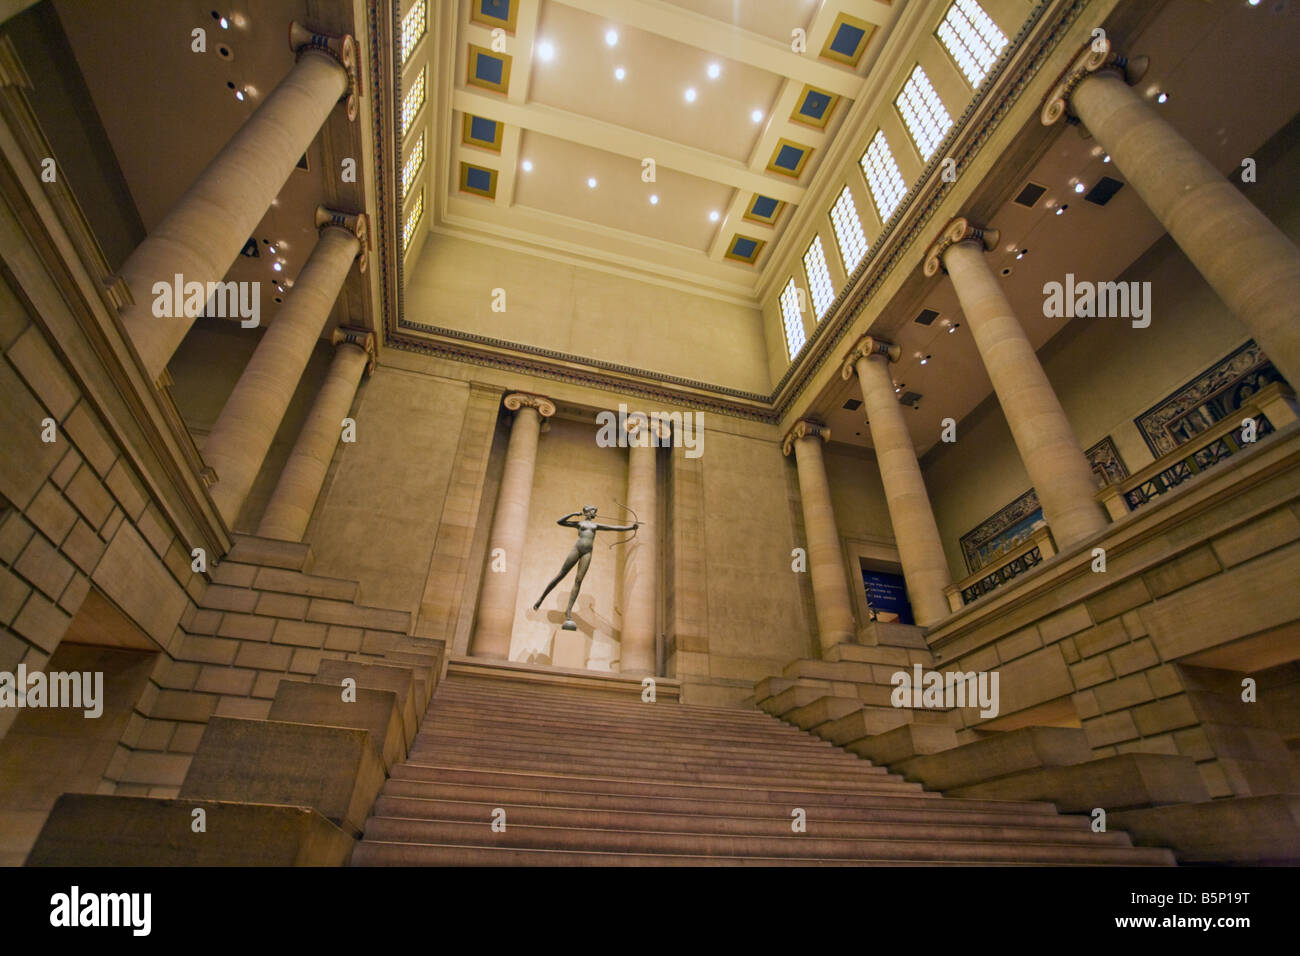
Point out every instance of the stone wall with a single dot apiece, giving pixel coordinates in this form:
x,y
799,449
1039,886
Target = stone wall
x,y
556,306
1148,656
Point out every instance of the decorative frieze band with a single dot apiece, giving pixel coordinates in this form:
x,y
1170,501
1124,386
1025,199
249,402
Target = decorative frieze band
x,y
1097,54
960,229
341,49
804,429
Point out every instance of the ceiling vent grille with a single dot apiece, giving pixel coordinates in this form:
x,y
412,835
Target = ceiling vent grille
x,y
1030,195
853,404
926,317
1104,191
910,398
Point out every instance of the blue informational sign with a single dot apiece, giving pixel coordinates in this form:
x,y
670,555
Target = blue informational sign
x,y
887,595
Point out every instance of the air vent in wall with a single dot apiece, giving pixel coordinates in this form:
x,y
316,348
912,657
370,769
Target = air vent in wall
x,y
1105,189
910,398
1030,195
926,317
302,164
853,404
250,250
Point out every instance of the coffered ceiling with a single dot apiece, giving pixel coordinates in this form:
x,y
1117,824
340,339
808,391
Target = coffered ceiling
x,y
665,137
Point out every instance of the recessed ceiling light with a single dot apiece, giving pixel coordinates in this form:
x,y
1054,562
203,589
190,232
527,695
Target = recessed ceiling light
x,y
1022,253
953,328
528,165
546,51
1079,187
1106,158
713,216
690,94
714,71
756,116
591,182
619,73
276,266
611,37
239,95
225,24
1061,210
1162,97
926,360
270,249
654,200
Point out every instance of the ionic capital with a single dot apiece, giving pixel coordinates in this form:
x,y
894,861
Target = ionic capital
x,y
804,429
865,347
341,49
355,223
639,422
1097,55
361,338
959,230
517,400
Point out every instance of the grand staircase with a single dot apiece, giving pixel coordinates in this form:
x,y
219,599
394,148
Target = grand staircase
x,y
571,776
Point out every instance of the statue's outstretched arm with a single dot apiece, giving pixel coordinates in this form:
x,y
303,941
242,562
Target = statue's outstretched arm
x,y
619,527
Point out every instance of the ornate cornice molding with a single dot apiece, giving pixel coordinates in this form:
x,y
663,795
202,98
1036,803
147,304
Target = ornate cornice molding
x,y
361,338
960,229
341,49
1096,56
865,347
517,400
804,428
356,223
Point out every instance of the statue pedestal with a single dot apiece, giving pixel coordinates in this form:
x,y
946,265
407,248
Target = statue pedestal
x,y
569,650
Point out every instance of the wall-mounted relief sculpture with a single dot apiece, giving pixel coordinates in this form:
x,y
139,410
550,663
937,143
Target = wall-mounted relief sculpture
x,y
1207,399
1004,530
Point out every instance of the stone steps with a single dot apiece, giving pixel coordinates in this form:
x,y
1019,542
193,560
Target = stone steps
x,y
588,777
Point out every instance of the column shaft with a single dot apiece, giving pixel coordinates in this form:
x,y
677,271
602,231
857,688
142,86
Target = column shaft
x,y
294,498
500,591
201,236
1050,452
825,564
1246,259
639,588
242,435
920,550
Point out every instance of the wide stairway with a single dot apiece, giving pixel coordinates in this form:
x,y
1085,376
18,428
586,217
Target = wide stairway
x,y
572,778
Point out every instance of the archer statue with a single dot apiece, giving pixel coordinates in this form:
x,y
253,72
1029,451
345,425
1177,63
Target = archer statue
x,y
580,554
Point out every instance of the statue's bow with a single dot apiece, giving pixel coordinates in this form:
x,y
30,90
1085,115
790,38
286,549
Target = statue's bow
x,y
635,520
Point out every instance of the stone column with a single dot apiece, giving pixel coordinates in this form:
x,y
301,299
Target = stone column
x,y
203,233
242,435
294,498
497,598
1248,261
920,550
1056,464
825,564
639,555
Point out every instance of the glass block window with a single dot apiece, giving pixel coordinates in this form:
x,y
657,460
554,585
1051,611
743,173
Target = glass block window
x,y
848,231
971,38
923,113
886,182
412,28
413,219
819,278
413,164
793,319
412,102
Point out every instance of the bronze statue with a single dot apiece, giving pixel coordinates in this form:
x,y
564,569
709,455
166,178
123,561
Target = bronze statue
x,y
580,554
